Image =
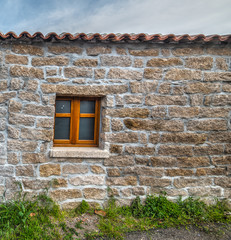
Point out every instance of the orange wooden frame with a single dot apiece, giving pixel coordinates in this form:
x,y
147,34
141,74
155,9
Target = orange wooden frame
x,y
75,116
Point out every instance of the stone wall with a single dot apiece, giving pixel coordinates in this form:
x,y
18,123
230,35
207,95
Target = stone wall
x,y
165,119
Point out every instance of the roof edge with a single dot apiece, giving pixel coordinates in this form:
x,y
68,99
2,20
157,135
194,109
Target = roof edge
x,y
111,37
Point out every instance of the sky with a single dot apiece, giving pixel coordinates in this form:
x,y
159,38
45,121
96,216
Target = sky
x,y
116,16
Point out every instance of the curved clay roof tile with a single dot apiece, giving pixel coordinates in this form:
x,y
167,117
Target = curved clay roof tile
x,y
118,37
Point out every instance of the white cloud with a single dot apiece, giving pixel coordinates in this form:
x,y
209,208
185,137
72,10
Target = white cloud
x,y
149,16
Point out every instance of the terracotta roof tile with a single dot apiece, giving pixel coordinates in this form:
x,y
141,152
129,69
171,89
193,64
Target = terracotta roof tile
x,y
141,37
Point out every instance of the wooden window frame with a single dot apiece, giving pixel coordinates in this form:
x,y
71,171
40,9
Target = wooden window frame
x,y
74,116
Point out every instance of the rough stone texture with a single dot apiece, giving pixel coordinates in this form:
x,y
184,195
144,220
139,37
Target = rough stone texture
x,y
176,74
97,169
35,184
6,171
116,125
65,49
193,161
163,161
87,180
28,49
21,119
129,137
13,132
74,169
150,73
175,150
19,71
115,148
144,52
205,191
113,172
138,63
33,158
144,171
165,119
207,125
187,51
73,72
200,87
45,135
136,150
154,125
86,63
94,193
99,73
143,87
45,123
16,84
119,161
179,172
15,59
183,112
26,170
63,194
12,158
223,51
20,145
95,51
55,61
153,100
203,63
221,63
122,181
116,73
164,62
47,170
217,76
154,182
59,182
189,138
36,110
115,61
129,112
192,182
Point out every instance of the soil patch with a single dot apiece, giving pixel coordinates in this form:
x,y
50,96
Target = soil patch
x,y
220,232
88,223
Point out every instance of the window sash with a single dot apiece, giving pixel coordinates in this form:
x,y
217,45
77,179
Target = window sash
x,y
75,116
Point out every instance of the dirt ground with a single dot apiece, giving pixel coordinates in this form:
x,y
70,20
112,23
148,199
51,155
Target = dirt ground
x,y
219,232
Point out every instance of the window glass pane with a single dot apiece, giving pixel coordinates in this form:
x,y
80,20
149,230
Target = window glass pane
x,y
62,128
86,128
87,106
63,106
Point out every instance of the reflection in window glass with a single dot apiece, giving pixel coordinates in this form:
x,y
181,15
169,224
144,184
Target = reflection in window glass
x,y
87,106
62,128
86,128
63,106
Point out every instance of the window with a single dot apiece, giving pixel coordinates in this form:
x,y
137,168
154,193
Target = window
x,y
76,122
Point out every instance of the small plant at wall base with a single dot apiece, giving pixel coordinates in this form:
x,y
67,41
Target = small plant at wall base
x,y
159,212
41,218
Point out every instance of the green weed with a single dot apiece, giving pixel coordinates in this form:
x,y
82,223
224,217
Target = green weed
x,y
41,218
82,208
24,219
158,212
36,219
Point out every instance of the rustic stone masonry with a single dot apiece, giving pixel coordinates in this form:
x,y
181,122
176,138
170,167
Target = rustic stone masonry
x,y
165,119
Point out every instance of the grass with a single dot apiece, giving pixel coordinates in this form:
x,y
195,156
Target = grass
x,y
34,219
41,218
159,212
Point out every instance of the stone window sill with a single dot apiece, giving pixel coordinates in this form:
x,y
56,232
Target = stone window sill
x,y
78,152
